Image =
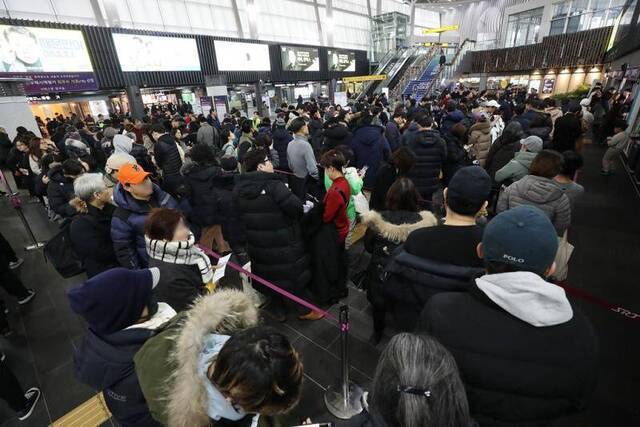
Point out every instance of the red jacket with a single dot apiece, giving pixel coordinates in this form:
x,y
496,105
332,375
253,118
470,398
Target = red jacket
x,y
335,206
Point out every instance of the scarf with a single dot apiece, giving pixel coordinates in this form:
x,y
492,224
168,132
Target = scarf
x,y
183,252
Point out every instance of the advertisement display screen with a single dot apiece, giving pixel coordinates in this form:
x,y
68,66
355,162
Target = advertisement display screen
x,y
237,56
300,58
341,60
55,60
152,53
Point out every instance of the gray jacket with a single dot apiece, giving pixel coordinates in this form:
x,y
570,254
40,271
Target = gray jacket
x,y
543,193
302,161
207,134
517,168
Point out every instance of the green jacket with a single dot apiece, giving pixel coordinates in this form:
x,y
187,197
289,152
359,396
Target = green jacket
x,y
517,168
167,364
355,184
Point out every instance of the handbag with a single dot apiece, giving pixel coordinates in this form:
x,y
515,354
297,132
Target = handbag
x,y
59,251
565,249
361,203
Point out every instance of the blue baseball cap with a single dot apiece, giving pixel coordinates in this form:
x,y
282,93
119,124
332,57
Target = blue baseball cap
x,y
523,237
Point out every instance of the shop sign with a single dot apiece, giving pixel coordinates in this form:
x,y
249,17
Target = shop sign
x,y
440,29
57,82
358,79
206,103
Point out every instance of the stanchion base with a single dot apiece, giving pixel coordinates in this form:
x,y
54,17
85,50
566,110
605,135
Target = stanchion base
x,y
335,401
34,247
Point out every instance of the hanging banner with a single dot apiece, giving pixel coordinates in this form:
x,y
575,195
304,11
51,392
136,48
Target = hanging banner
x,y
206,103
220,103
357,79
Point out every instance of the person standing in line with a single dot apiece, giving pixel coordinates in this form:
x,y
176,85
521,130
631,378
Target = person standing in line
x,y
168,158
301,159
616,143
416,384
207,134
513,317
271,214
135,196
90,230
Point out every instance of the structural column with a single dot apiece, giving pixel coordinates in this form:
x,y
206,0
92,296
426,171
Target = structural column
x,y
135,101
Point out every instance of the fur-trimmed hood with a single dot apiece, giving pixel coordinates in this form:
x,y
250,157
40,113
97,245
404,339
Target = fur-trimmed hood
x,y
397,232
222,312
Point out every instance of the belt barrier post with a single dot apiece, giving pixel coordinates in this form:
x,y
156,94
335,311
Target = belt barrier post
x,y
344,401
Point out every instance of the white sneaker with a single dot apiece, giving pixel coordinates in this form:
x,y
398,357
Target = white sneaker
x,y
32,395
28,298
16,264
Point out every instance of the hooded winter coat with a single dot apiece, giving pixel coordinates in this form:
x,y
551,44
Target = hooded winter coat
x,y
430,153
127,225
105,363
385,232
168,365
517,168
480,140
543,193
60,192
271,215
525,355
370,148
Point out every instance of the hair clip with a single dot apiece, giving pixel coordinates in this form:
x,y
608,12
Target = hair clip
x,y
414,390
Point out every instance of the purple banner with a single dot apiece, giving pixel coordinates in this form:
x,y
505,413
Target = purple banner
x,y
47,82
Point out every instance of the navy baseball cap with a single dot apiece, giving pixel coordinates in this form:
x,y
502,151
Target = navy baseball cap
x,y
468,189
523,237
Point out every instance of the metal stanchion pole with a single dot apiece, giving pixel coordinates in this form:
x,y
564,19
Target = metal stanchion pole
x,y
344,401
16,202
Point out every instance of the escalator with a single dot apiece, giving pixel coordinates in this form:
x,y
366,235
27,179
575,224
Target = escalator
x,y
389,65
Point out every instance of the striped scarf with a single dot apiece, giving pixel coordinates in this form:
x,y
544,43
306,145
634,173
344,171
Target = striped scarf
x,y
183,252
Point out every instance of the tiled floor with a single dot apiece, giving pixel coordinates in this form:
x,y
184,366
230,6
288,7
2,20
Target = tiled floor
x,y
606,234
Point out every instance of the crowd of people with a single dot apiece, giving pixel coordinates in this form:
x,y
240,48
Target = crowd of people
x,y
466,199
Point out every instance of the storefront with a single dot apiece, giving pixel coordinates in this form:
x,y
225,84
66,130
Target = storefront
x,y
547,82
49,106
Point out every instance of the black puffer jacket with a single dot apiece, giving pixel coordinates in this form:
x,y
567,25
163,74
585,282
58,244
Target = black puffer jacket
x,y
179,285
60,192
281,137
167,155
200,190
430,154
271,215
386,231
412,280
91,239
515,374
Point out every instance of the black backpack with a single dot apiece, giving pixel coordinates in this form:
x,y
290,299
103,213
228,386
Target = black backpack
x,y
59,251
